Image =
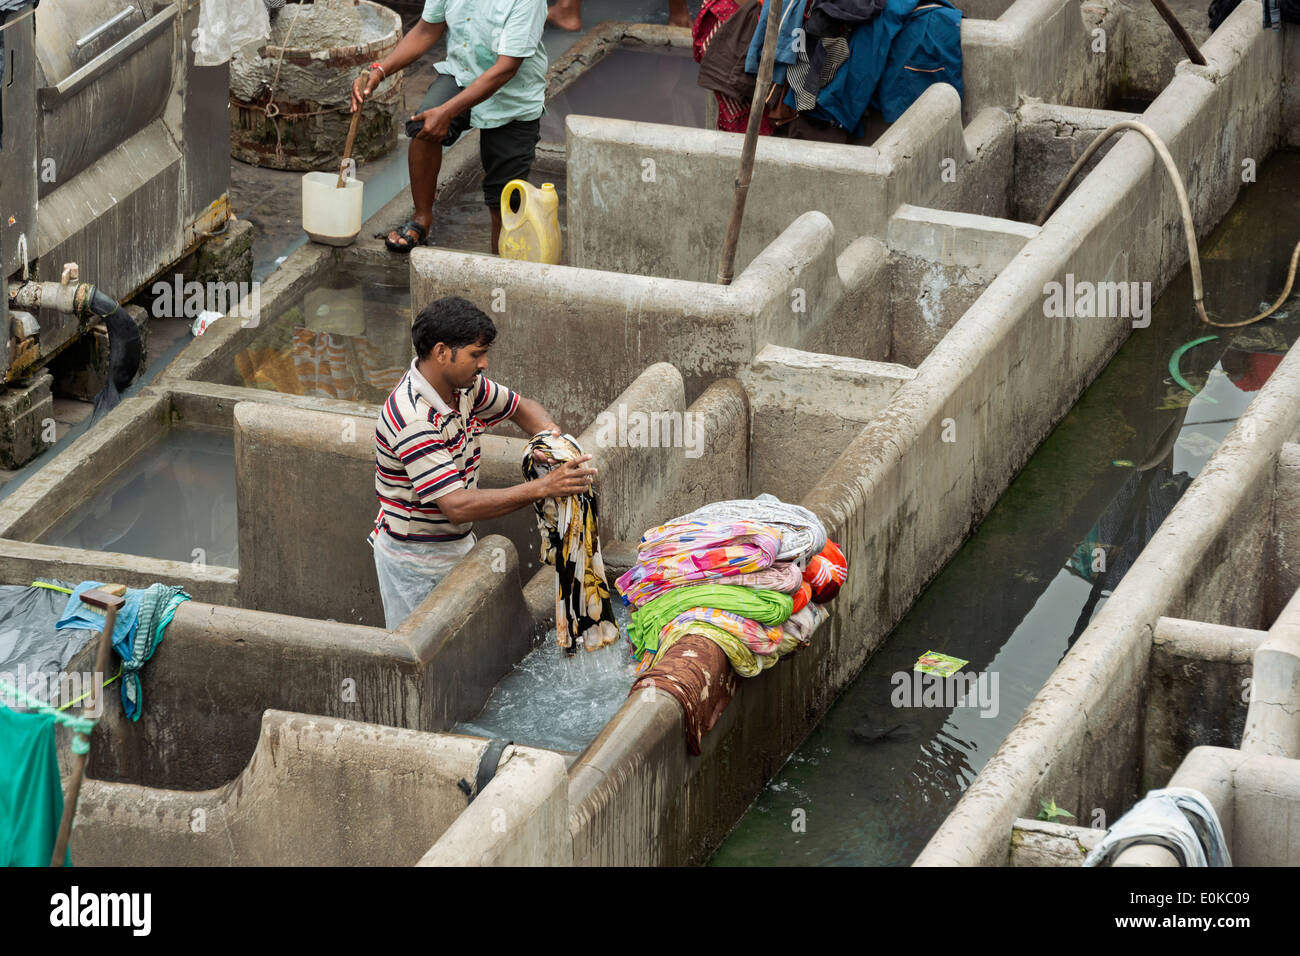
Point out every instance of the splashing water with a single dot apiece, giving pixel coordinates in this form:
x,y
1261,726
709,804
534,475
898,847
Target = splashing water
x,y
556,701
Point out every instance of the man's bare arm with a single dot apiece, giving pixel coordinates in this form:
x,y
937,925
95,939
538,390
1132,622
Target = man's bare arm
x,y
478,504
409,49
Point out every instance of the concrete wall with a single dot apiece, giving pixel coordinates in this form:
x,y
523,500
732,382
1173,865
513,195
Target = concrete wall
x,y
520,819
574,338
1197,693
638,799
940,263
685,207
217,669
805,408
324,568
296,802
1049,139
641,487
1257,800
1040,49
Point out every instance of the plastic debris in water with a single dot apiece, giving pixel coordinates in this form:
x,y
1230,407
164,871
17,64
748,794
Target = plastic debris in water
x,y
1178,375
1122,463
932,662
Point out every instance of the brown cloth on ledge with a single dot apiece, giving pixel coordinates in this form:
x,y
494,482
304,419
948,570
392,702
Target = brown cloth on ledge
x,y
697,673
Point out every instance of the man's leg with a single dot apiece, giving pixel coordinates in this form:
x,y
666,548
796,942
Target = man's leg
x,y
424,159
507,152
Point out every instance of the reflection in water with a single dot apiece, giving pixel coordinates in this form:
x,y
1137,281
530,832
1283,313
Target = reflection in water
x,y
175,500
873,781
348,338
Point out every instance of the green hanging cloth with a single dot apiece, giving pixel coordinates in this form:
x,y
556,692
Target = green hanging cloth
x,y
31,793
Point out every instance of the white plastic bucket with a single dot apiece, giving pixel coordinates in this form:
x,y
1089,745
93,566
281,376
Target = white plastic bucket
x,y
331,215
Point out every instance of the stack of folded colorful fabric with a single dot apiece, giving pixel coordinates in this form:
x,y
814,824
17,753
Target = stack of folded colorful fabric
x,y
747,576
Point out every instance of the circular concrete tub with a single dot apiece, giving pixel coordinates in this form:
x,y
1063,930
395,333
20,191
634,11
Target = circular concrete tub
x,y
290,99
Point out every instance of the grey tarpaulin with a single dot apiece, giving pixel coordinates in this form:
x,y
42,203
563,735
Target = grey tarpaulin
x,y
1177,818
29,644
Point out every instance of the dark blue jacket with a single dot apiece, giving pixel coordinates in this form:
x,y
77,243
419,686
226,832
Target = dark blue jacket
x,y
892,59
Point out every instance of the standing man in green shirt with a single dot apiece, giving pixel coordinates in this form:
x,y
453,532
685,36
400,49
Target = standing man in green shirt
x,y
493,79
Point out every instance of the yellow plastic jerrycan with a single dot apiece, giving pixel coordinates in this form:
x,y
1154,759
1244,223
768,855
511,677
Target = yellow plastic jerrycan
x,y
532,232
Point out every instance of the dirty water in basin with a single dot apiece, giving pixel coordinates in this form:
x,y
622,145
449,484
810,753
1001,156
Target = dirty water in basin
x,y
349,337
175,500
555,701
631,84
873,781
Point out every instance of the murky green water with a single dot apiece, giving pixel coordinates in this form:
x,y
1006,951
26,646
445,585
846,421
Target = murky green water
x,y
873,781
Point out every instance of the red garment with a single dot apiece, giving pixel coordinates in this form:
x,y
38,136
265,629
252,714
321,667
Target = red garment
x,y
733,116
1261,366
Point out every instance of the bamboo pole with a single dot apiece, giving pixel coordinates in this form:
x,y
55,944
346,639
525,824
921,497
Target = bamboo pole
x,y
347,149
727,267
109,604
1185,38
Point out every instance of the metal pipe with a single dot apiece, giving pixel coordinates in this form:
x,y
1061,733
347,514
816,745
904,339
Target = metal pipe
x,y
69,298
105,27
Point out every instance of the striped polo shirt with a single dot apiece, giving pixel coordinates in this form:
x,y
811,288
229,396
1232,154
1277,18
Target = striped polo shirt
x,y
424,450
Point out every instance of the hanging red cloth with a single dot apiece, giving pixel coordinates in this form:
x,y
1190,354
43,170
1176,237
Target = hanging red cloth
x,y
733,114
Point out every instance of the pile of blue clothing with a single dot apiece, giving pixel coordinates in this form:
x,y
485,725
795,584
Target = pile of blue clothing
x,y
840,58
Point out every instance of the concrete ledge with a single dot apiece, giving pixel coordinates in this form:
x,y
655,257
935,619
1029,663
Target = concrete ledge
x,y
806,407
1038,843
631,321
520,819
1198,686
295,802
1273,722
1094,690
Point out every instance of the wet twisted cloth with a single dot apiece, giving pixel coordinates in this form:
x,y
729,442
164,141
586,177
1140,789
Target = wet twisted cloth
x,y
696,672
802,532
683,553
571,544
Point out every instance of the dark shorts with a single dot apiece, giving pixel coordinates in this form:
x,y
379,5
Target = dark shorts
x,y
506,152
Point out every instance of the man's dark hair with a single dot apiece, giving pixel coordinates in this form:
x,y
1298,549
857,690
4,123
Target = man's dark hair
x,y
453,321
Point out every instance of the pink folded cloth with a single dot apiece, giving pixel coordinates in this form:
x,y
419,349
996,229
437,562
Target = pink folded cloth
x,y
695,551
783,576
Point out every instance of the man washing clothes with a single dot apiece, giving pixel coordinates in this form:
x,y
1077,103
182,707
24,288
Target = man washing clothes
x,y
493,79
427,455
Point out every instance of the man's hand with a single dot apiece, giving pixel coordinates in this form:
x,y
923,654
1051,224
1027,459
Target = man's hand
x,y
570,478
363,86
436,124
541,456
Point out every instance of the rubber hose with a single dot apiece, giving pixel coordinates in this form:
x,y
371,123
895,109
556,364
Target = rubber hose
x,y
1189,228
125,350
487,765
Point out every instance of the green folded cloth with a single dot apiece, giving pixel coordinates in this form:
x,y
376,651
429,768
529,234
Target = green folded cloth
x,y
766,607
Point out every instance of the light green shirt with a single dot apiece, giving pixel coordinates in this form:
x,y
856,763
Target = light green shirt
x,y
478,31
